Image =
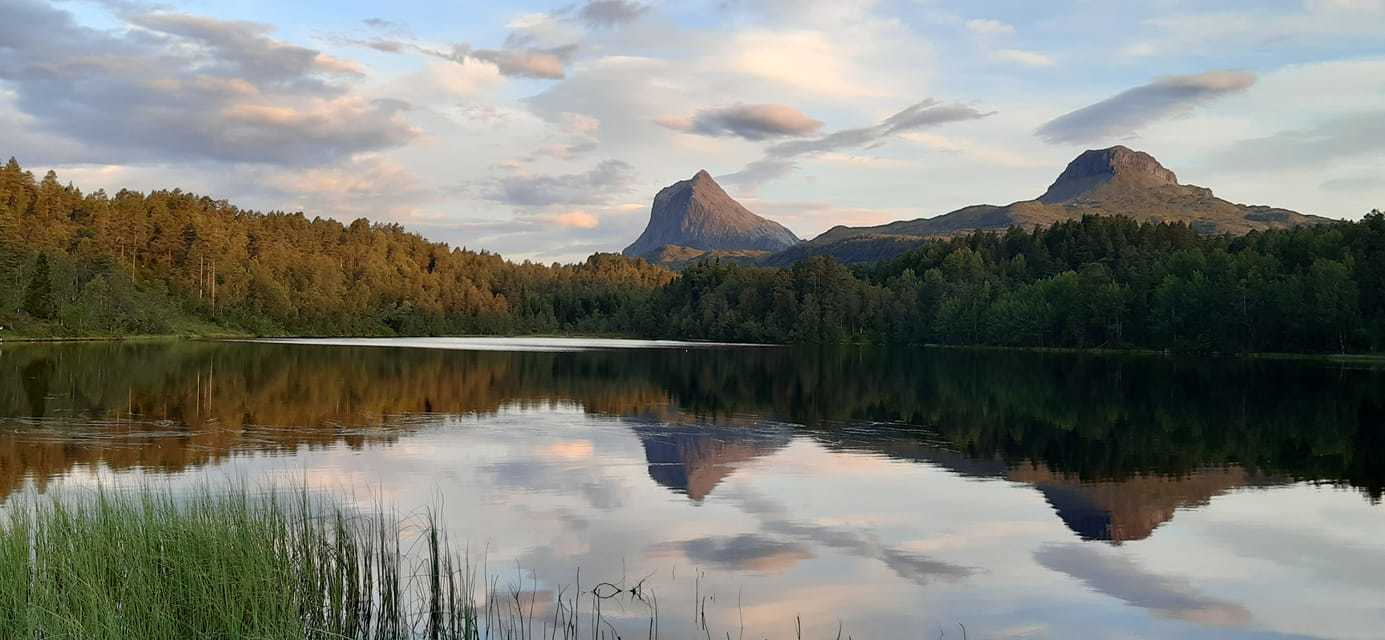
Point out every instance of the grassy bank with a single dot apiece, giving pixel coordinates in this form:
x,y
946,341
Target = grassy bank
x,y
148,565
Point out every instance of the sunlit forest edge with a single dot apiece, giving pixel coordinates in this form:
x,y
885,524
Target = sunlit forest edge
x,y
75,264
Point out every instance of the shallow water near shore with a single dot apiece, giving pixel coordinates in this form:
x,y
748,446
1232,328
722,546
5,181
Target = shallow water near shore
x,y
896,493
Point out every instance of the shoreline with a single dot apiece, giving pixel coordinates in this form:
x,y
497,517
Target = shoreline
x,y
1338,358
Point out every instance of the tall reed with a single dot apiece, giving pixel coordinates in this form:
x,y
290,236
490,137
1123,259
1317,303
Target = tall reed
x,y
151,565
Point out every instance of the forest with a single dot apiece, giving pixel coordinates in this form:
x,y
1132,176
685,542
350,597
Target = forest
x,y
171,262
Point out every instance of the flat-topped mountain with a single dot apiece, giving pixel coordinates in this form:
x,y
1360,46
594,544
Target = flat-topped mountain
x,y
1115,167
1112,181
695,216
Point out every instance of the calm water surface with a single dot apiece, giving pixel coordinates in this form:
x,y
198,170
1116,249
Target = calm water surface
x,y
897,493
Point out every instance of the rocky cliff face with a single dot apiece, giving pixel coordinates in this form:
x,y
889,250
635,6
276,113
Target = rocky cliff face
x,y
696,214
1100,167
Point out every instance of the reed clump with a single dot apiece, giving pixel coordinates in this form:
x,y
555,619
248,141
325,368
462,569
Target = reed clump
x,y
151,565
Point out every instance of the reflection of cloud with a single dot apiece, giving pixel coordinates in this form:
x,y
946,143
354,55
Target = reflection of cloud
x,y
531,475
913,567
1329,558
745,552
1118,577
567,450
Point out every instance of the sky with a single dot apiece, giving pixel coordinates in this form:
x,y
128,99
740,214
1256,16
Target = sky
x,y
542,130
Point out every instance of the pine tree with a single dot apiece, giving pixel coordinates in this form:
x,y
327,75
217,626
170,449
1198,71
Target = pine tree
x,y
38,299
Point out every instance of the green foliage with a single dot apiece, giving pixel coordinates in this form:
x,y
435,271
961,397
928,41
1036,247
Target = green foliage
x,y
156,566
144,262
38,298
1093,282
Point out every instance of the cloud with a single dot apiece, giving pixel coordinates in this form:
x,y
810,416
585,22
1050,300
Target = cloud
x,y
995,155
1023,57
1125,113
595,186
525,63
744,552
245,49
616,89
1339,137
576,220
926,113
544,64
1332,23
808,61
537,46
366,186
609,13
779,158
749,121
389,27
986,27
758,172
173,86
577,134
1362,182
1120,578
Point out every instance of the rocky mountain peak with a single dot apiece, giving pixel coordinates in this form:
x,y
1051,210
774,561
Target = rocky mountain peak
x,y
1097,167
698,214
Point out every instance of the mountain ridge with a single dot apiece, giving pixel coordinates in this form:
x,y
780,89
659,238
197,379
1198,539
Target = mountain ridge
x,y
1112,181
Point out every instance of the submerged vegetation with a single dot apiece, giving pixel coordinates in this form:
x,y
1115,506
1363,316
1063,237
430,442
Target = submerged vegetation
x,y
173,262
152,565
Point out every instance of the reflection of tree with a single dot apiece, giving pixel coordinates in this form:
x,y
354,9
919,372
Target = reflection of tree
x,y
180,404
35,382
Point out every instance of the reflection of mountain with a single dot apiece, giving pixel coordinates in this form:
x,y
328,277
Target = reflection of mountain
x,y
1130,509
1082,419
1115,510
693,459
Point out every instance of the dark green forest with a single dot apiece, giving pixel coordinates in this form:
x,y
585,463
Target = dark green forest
x,y
99,264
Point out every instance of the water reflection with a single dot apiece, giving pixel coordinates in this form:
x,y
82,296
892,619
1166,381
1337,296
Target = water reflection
x,y
1031,494
1116,445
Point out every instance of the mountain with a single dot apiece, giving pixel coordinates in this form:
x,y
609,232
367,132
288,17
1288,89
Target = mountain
x,y
695,216
1113,181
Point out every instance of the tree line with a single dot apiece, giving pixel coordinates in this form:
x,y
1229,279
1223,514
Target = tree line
x,y
170,261
1092,282
175,262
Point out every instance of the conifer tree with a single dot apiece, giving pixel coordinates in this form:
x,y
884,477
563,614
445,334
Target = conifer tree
x,y
38,299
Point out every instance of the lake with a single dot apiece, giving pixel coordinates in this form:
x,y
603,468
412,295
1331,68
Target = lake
x,y
895,493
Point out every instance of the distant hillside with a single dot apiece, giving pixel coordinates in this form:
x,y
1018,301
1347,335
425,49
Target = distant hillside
x,y
696,216
677,258
1112,181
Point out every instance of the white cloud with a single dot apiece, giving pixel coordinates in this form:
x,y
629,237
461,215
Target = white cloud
x,y
1023,57
576,220
801,60
987,27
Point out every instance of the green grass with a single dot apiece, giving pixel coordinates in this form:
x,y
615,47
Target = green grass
x,y
151,565
234,565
